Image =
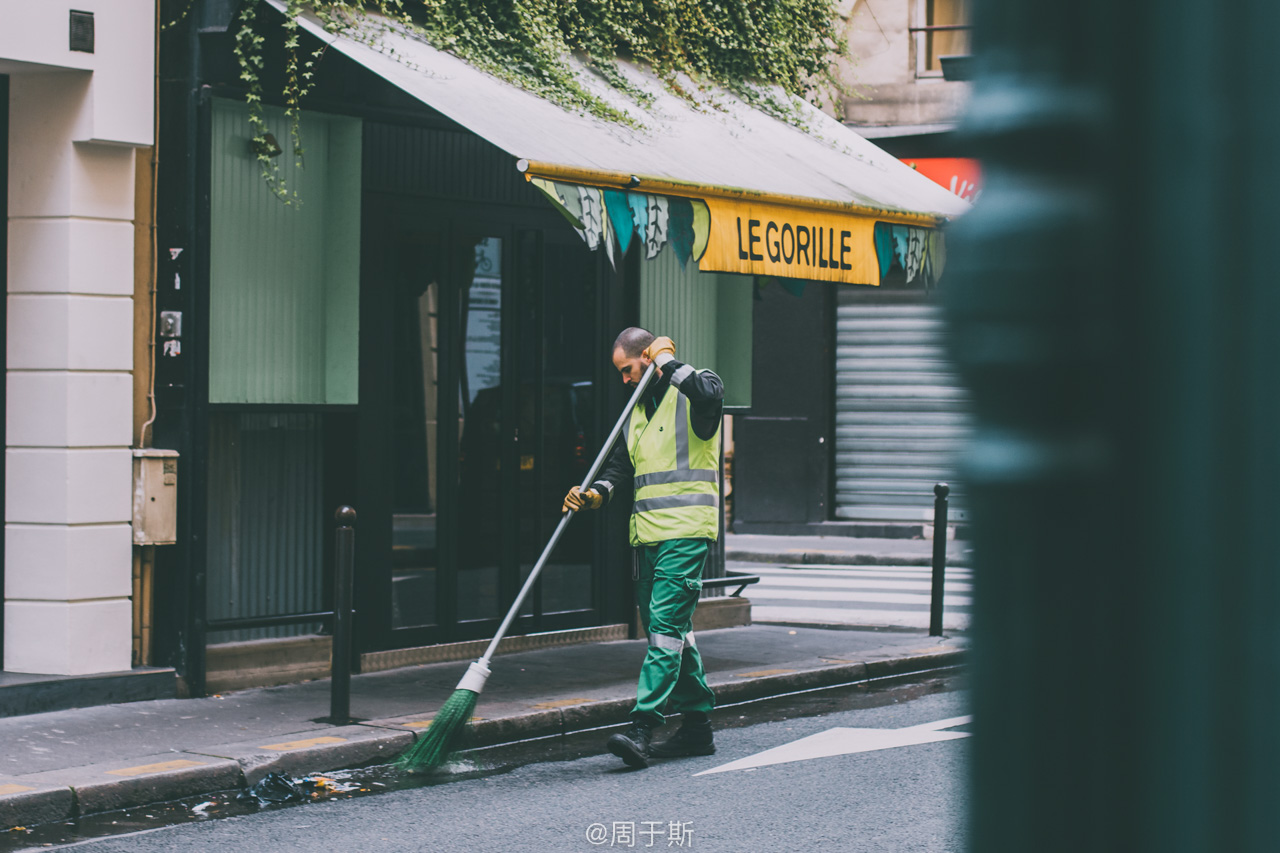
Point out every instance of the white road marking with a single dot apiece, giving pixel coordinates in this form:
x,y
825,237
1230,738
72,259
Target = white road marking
x,y
846,741
870,596
924,585
886,570
951,621
948,600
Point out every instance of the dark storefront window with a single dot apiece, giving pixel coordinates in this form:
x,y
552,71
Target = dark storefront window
x,y
415,478
557,392
480,401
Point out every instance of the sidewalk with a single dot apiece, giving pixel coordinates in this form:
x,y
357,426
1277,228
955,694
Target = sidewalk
x,y
60,764
840,551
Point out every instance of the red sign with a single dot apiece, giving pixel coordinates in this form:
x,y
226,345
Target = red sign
x,y
963,177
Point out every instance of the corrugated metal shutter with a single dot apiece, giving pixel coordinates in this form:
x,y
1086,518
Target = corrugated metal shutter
x,y
901,415
266,522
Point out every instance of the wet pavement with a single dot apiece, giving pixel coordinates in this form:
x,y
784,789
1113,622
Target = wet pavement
x,y
278,791
70,764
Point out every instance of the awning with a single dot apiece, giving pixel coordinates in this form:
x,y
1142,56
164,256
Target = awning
x,y
720,182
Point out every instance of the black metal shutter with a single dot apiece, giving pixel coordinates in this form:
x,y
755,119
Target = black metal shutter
x,y
901,415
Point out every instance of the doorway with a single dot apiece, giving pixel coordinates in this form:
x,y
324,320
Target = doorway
x,y
478,411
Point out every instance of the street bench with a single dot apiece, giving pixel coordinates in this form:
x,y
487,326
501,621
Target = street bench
x,y
738,579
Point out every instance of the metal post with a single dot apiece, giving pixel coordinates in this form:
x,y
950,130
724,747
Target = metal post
x,y
940,492
344,540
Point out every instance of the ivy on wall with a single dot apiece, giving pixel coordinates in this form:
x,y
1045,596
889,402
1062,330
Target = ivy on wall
x,y
749,47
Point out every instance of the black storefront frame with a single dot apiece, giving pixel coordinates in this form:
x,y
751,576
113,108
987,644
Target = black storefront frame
x,y
353,447
195,67
523,231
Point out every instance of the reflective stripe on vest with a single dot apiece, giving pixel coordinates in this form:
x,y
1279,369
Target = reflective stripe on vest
x,y
687,498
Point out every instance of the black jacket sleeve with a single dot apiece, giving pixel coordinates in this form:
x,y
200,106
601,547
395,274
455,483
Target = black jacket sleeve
x,y
705,392
617,473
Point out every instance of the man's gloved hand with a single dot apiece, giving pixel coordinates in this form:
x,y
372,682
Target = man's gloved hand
x,y
578,499
660,346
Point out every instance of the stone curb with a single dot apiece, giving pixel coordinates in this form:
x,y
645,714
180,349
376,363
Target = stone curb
x,y
25,802
105,787
313,751
838,558
727,689
62,794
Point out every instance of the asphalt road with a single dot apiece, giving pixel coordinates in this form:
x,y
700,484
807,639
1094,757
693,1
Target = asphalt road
x,y
906,797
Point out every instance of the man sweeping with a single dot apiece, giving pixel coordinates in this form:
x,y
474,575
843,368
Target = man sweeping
x,y
671,459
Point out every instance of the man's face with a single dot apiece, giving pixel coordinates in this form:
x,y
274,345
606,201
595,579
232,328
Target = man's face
x,y
630,368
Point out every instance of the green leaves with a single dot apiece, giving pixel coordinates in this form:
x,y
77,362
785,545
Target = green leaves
x,y
745,46
736,43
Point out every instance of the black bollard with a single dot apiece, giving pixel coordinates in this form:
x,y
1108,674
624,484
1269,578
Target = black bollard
x,y
940,491
344,557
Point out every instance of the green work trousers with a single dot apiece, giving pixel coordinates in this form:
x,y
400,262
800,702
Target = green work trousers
x,y
667,586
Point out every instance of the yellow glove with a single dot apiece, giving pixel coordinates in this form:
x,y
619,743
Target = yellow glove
x,y
578,499
658,347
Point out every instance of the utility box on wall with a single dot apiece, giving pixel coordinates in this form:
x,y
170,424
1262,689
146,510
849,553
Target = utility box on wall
x,y
155,496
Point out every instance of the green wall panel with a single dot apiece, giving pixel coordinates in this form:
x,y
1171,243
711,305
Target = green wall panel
x,y
284,279
708,315
735,302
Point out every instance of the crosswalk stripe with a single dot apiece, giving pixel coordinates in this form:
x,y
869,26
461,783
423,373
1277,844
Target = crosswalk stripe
x,y
906,574
951,620
876,597
816,584
871,596
819,567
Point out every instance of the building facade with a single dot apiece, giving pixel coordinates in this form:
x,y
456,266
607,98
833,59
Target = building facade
x,y
198,375
895,67
859,413
76,111
426,336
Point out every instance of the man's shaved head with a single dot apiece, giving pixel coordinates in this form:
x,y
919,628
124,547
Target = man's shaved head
x,y
632,341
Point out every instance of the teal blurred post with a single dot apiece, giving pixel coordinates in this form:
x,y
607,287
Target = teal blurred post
x,y
1115,302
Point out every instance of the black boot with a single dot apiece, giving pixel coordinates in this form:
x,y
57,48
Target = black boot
x,y
632,746
693,738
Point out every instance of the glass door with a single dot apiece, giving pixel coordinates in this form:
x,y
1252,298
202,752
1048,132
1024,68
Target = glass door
x,y
557,427
490,372
483,434
448,431
415,430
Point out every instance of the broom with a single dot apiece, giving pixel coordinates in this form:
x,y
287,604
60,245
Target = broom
x,y
450,722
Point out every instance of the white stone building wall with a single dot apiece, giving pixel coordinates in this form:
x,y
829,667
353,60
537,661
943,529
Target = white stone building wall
x,y
75,119
884,71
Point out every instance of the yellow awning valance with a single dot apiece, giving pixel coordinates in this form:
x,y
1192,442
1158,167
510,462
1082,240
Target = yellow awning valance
x,y
738,231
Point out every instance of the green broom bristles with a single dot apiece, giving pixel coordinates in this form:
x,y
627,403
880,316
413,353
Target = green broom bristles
x,y
444,735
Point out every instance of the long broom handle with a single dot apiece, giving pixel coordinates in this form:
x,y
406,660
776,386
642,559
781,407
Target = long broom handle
x,y
568,516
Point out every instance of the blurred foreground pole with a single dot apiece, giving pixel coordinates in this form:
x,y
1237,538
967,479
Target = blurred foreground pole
x,y
1115,302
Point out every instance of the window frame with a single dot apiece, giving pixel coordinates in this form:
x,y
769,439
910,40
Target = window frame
x,y
920,41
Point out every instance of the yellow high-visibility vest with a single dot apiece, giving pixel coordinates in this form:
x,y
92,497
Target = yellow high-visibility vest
x,y
677,474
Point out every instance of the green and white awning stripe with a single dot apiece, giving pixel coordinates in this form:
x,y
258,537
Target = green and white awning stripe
x,y
609,218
